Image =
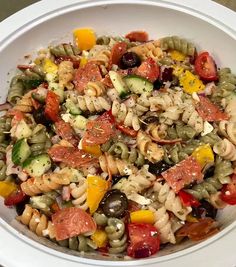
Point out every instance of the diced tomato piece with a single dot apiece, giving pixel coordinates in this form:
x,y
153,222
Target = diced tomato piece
x,y
71,156
205,67
183,173
65,131
17,116
137,36
89,73
209,111
52,106
15,197
198,230
24,67
69,222
144,240
117,52
126,130
187,199
149,69
228,192
75,62
97,132
106,116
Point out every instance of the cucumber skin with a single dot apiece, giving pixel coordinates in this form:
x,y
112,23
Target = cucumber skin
x,y
133,82
16,158
30,164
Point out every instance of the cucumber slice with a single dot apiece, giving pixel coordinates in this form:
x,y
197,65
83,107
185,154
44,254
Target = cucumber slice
x,y
73,109
38,165
138,85
119,84
20,151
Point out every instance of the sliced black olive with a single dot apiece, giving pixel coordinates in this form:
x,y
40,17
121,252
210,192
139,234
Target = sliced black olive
x,y
148,120
39,117
209,172
167,75
114,204
116,178
157,84
20,207
159,167
204,210
129,60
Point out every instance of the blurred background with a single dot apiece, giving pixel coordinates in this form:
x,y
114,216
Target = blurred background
x,y
8,7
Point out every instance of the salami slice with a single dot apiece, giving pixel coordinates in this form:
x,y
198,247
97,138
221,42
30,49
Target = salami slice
x,y
137,36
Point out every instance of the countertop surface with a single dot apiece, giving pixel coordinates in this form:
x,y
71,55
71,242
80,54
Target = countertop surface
x,y
8,7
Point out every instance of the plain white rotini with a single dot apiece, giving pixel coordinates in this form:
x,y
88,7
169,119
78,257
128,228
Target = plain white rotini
x,y
92,103
79,194
102,57
192,118
170,200
142,104
163,224
94,89
150,49
152,151
136,182
157,131
126,115
115,166
225,149
170,115
228,130
66,74
162,101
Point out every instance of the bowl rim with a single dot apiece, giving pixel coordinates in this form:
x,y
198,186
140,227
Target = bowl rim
x,y
15,26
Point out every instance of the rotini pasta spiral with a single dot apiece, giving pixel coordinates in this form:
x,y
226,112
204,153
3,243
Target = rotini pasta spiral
x,y
149,149
115,230
16,90
110,40
32,76
157,131
136,182
228,130
100,219
66,74
170,200
170,115
79,194
216,201
150,49
37,223
39,141
44,202
102,57
48,182
115,166
142,104
94,89
179,44
180,130
79,243
121,150
163,224
64,50
92,103
225,149
5,126
126,115
3,169
25,104
223,170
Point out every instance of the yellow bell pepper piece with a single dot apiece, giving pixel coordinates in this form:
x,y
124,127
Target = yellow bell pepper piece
x,y
192,219
6,188
94,150
83,62
203,154
49,66
142,216
190,82
85,39
177,70
97,187
99,237
176,55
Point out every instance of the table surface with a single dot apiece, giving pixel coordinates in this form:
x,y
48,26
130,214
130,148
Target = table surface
x,y
8,7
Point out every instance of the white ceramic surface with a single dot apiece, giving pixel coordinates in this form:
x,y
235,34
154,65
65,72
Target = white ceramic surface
x,y
208,25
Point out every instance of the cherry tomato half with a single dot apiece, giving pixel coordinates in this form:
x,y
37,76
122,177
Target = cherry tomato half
x,y
228,192
205,67
15,198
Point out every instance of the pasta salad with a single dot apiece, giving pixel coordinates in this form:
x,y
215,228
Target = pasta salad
x,y
119,144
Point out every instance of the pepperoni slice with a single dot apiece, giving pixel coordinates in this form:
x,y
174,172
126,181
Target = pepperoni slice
x,y
183,173
97,132
71,222
65,131
137,36
89,73
71,156
117,52
149,70
209,111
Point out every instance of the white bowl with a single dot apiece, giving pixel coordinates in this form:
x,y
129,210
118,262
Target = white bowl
x,y
52,21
